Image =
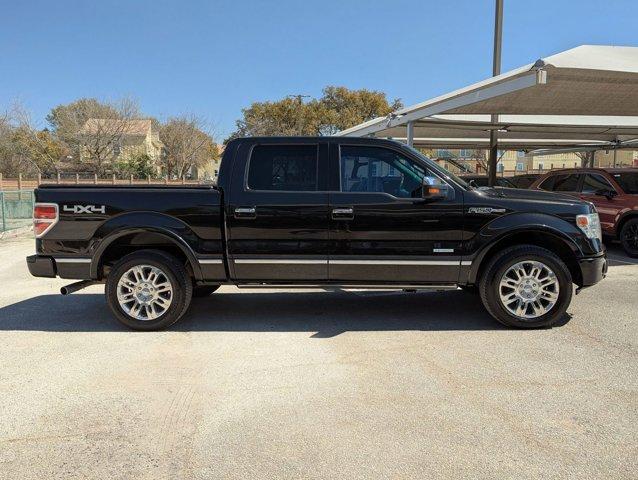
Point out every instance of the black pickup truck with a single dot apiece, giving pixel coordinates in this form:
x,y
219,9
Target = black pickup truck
x,y
331,211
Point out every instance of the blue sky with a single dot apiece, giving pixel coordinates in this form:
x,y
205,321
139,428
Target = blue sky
x,y
212,58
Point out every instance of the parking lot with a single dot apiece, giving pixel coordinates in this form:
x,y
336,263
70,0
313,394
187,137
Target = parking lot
x,y
315,384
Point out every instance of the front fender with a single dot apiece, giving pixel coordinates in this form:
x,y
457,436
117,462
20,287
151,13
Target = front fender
x,y
175,231
506,226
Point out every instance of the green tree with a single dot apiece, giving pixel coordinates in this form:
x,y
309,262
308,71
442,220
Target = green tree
x,y
140,166
337,109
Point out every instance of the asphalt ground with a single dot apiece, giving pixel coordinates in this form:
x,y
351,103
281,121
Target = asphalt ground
x,y
315,384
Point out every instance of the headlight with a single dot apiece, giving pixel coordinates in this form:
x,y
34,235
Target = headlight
x,y
590,225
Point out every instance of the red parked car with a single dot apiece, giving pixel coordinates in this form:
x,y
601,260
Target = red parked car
x,y
614,192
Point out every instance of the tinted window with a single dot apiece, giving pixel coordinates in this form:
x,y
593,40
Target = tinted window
x,y
283,167
594,183
628,181
374,169
561,183
504,182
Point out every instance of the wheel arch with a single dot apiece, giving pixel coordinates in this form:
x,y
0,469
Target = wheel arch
x,y
630,215
126,240
552,240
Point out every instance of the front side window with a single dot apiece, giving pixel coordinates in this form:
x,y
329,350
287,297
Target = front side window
x,y
381,170
593,183
290,168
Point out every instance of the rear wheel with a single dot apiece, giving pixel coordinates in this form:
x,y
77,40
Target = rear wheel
x,y
629,237
148,290
527,287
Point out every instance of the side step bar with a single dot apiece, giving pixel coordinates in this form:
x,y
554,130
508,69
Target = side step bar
x,y
347,286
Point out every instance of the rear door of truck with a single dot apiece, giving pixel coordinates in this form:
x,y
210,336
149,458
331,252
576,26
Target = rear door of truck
x,y
277,211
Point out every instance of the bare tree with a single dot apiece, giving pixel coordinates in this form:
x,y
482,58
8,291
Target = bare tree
x,y
187,144
39,146
586,158
94,130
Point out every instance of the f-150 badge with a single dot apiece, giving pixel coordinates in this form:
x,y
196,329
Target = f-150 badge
x,y
485,210
77,209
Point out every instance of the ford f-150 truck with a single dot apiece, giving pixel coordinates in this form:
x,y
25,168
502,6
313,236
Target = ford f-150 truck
x,y
349,212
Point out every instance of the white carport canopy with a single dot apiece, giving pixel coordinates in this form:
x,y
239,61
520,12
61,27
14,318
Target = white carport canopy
x,y
584,96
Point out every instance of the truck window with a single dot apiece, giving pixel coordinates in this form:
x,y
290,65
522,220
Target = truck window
x,y
380,170
290,168
628,181
594,183
561,183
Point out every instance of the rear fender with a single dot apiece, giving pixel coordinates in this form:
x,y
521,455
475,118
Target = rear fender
x,y
175,231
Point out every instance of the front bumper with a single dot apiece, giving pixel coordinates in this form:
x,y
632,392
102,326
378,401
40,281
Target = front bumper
x,y
593,269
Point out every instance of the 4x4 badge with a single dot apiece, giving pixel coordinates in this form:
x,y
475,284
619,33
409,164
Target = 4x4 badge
x,y
84,209
485,210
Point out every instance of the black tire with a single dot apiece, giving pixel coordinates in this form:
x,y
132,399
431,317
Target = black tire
x,y
629,237
489,286
204,290
180,280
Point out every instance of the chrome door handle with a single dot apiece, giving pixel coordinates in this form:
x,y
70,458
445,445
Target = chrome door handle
x,y
346,213
245,212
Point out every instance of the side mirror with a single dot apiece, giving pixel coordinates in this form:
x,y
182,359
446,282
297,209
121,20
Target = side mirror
x,y
433,189
609,194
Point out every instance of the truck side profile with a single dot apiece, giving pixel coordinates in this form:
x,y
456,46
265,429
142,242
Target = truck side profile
x,y
331,211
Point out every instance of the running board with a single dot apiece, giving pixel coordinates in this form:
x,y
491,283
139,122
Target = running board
x,y
348,286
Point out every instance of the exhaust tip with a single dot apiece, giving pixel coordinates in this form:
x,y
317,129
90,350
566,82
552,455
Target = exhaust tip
x,y
64,291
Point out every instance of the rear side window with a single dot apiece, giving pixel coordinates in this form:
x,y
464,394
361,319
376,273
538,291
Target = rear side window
x,y
291,168
561,183
594,183
628,181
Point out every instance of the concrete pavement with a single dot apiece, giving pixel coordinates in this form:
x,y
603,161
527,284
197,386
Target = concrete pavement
x,y
315,384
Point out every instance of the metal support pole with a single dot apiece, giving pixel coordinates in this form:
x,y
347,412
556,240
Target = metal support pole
x,y
410,135
4,213
496,70
615,151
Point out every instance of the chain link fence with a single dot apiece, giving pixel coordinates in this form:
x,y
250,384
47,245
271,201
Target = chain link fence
x,y
16,209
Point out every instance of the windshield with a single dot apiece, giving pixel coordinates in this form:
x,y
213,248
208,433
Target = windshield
x,y
446,174
628,181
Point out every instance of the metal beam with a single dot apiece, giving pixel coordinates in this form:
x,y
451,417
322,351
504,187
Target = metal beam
x,y
496,70
526,80
410,134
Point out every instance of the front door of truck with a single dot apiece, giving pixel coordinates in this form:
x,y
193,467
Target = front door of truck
x,y
381,229
277,213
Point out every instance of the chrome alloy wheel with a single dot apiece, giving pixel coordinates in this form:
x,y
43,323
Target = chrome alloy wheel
x,y
144,292
529,289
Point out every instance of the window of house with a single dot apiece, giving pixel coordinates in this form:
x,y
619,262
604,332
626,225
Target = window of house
x,y
290,168
520,167
381,170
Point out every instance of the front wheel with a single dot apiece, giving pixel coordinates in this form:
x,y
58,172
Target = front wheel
x,y
526,287
148,290
629,237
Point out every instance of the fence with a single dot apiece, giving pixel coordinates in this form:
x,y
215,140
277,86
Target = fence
x,y
24,183
16,209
